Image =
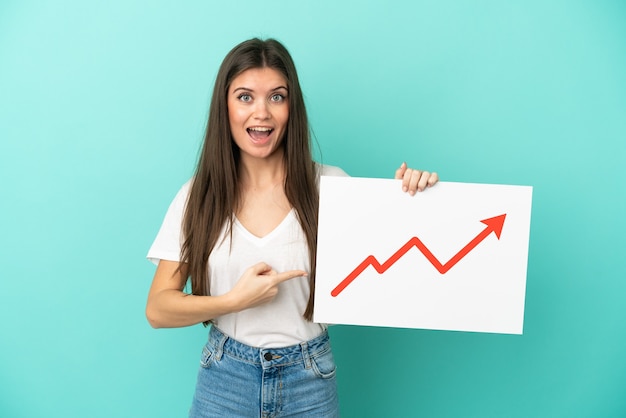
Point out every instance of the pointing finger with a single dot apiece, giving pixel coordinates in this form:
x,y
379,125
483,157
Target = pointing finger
x,y
288,275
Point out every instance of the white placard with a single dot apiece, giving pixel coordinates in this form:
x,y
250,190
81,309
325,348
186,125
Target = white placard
x,y
451,258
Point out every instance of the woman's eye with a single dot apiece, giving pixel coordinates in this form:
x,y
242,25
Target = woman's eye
x,y
277,98
245,97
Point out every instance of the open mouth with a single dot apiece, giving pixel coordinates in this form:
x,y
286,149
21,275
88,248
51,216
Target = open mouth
x,y
259,132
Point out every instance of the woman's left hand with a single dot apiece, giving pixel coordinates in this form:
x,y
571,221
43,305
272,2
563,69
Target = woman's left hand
x,y
415,180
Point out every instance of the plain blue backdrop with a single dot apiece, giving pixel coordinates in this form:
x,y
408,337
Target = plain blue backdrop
x,y
102,110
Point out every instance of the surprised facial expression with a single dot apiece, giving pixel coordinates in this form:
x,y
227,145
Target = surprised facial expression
x,y
258,111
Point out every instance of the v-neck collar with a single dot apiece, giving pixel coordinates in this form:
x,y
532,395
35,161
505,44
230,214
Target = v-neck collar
x,y
260,241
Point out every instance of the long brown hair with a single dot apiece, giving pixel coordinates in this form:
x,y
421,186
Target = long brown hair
x,y
214,193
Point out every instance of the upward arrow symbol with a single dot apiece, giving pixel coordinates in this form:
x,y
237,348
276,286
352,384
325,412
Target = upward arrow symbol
x,y
494,225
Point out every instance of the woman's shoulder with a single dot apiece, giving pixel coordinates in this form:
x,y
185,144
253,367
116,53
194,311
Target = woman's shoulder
x,y
182,195
183,191
330,170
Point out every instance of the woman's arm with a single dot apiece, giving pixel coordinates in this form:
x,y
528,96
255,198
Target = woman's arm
x,y
168,306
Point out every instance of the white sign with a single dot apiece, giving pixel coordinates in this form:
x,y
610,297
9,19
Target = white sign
x,y
451,258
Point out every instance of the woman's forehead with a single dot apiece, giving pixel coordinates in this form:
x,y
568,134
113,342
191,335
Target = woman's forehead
x,y
259,77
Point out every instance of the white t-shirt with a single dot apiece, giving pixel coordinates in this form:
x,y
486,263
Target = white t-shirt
x,y
278,323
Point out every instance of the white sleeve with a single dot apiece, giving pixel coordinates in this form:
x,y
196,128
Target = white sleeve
x,y
167,244
329,170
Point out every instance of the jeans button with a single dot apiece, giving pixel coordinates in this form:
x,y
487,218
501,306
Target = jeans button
x,y
267,356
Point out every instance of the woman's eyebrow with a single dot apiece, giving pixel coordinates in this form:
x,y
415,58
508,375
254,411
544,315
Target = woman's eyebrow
x,y
249,89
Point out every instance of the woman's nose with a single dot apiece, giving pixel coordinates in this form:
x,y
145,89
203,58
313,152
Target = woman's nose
x,y
261,110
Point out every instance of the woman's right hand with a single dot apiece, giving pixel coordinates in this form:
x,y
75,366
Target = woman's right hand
x,y
259,285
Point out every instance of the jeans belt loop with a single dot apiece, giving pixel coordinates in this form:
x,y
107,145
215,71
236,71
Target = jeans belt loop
x,y
219,347
305,355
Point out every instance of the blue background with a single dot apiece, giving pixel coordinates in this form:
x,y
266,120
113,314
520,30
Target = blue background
x,y
102,110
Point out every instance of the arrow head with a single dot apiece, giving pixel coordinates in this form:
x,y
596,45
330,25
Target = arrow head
x,y
495,224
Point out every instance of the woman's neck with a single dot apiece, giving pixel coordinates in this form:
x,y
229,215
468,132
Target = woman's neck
x,y
262,173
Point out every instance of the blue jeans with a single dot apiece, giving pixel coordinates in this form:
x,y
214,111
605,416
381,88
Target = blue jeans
x,y
236,380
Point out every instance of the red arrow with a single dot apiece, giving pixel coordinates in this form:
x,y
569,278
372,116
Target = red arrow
x,y
494,225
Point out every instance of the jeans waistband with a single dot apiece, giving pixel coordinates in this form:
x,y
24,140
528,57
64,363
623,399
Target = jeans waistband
x,y
267,357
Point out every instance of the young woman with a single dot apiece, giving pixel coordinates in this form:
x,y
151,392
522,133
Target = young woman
x,y
243,230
